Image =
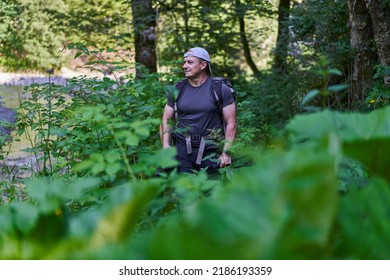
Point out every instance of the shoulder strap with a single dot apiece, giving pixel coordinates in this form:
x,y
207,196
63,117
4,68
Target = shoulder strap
x,y
216,93
180,86
217,90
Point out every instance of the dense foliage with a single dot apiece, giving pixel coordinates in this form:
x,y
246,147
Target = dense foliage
x,y
31,34
101,191
34,34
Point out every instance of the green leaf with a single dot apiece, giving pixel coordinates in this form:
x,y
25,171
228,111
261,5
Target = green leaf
x,y
77,189
162,158
98,167
364,212
373,153
309,96
77,55
113,169
84,165
335,72
364,136
334,88
271,210
112,156
132,139
40,189
25,216
306,127
143,131
119,224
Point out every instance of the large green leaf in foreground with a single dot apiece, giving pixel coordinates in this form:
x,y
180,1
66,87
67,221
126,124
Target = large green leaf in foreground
x,y
281,208
365,137
364,223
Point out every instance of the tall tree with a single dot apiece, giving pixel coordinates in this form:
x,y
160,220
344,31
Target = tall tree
x,y
281,50
144,24
380,18
241,11
363,51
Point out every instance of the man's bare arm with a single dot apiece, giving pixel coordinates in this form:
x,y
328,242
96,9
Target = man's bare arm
x,y
165,129
230,117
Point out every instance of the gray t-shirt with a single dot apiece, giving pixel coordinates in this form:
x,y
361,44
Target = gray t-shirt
x,y
197,111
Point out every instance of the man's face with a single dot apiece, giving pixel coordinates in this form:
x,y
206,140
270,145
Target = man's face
x,y
193,66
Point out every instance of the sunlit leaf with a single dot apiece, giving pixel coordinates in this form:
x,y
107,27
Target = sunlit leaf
x,y
118,225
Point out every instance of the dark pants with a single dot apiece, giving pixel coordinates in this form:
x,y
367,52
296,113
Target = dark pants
x,y
187,162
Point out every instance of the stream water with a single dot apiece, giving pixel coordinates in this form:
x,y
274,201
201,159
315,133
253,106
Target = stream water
x,y
17,162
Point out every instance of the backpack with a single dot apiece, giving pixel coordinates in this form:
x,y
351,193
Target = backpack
x,y
216,93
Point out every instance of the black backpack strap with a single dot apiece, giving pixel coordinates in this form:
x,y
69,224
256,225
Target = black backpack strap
x,y
217,90
216,93
180,86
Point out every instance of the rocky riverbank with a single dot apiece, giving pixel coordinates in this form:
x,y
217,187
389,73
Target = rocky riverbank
x,y
59,78
6,115
13,79
26,79
16,79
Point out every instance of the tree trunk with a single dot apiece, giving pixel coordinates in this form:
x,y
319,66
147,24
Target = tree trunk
x,y
380,17
186,24
364,55
281,49
144,23
244,40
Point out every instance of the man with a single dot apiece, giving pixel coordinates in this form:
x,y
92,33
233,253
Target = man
x,y
199,120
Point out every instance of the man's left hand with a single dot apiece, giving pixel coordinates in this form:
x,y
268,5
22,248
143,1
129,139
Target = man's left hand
x,y
224,160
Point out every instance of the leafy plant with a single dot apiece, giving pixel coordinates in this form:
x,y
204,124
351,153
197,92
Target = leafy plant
x,y
104,192
325,92
102,121
287,205
380,94
9,180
